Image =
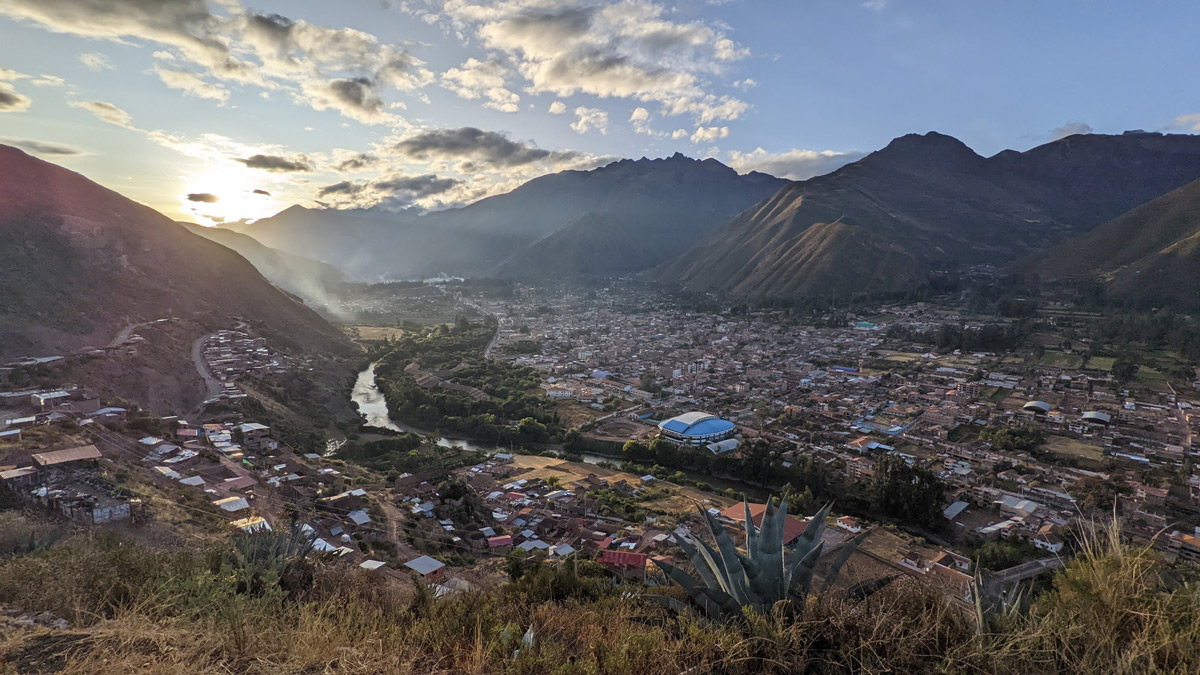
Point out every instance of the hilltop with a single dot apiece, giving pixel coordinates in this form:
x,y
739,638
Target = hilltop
x,y
80,265
675,200
1149,256
928,202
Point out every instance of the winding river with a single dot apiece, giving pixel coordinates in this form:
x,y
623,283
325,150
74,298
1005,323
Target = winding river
x,y
373,408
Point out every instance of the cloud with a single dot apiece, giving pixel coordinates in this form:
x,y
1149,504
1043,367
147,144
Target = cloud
x,y
610,48
476,79
1070,129
792,164
353,161
558,108
393,190
261,192
356,98
709,134
746,84
48,81
875,5
276,163
1190,122
641,121
488,147
590,118
10,100
191,84
95,61
105,112
42,148
343,69
205,197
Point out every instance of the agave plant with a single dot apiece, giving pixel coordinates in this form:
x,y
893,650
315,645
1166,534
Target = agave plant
x,y
264,558
767,574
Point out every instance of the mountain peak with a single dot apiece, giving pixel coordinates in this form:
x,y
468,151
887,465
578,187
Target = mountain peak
x,y
931,147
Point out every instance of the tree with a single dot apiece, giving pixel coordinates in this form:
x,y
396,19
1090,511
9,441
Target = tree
x,y
1125,368
908,494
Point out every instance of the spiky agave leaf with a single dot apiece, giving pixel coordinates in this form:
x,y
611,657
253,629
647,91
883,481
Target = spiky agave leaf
x,y
865,589
735,572
713,601
844,555
765,564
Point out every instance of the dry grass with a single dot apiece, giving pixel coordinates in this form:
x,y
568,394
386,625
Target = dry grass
x,y
373,333
134,610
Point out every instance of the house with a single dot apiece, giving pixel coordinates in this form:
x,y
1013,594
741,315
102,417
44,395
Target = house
x,y
232,504
626,564
849,524
859,469
256,436
427,568
1047,539
794,527
500,544
70,456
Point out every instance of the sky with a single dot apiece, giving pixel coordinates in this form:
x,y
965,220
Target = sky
x,y
217,110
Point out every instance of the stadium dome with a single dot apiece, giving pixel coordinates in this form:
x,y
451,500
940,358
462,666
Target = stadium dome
x,y
1037,407
696,428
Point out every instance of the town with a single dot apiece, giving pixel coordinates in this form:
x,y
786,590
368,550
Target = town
x,y
1021,445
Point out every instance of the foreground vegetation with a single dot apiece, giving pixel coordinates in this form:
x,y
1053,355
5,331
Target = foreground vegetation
x,y
264,604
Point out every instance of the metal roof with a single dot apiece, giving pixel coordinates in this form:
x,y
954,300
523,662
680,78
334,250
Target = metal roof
x,y
68,455
696,424
424,565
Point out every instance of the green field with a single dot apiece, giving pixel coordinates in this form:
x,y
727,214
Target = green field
x,y
1061,359
1070,447
1104,363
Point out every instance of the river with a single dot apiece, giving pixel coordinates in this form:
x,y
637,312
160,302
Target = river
x,y
373,407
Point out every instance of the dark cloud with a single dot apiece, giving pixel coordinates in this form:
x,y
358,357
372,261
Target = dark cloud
x,y
11,101
393,190
483,146
261,192
359,161
42,148
355,96
206,197
276,163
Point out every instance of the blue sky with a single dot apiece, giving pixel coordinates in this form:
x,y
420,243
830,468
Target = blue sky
x,y
224,109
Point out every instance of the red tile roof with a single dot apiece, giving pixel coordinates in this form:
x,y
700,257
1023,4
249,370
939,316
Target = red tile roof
x,y
792,529
623,558
503,540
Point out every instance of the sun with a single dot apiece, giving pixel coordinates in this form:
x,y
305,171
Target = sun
x,y
229,193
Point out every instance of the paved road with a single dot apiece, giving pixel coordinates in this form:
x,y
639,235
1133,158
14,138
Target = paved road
x,y
212,384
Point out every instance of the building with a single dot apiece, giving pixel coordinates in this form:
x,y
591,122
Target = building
x,y
427,568
794,527
84,453
859,468
696,428
256,436
627,564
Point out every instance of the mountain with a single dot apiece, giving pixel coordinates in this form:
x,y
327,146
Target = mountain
x,y
79,262
310,279
1149,256
673,201
883,224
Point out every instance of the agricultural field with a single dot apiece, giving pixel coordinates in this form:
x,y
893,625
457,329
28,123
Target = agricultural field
x,y
1055,359
1070,447
374,333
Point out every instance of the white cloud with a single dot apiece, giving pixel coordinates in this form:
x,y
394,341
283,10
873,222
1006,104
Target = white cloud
x,y
325,68
105,112
746,84
590,118
678,134
95,61
641,121
1190,121
476,79
1070,129
792,164
191,84
48,81
558,108
630,49
875,5
709,134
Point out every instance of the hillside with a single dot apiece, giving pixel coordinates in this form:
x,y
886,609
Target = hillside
x,y
926,203
676,200
1148,255
305,277
79,262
